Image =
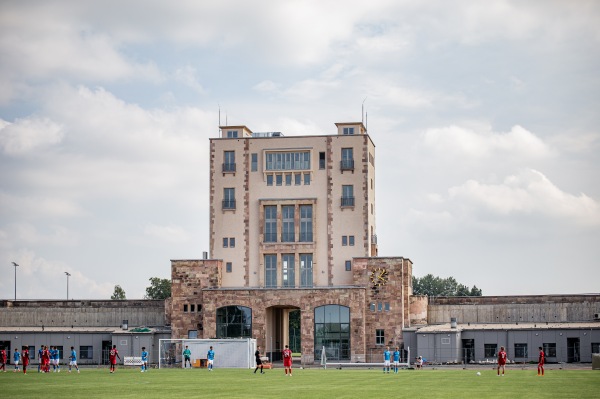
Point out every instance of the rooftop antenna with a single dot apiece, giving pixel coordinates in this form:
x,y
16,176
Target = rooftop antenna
x,y
219,118
367,121
362,111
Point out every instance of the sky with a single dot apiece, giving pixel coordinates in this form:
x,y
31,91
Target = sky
x,y
485,117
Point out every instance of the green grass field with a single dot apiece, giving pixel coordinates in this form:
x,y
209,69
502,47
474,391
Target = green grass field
x,y
308,383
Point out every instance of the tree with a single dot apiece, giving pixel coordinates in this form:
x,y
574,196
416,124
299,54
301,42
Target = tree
x,y
160,288
119,293
437,286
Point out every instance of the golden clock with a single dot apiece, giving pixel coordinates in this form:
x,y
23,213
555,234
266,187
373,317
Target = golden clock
x,y
379,277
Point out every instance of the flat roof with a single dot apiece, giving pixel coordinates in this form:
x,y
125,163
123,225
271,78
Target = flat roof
x,y
436,328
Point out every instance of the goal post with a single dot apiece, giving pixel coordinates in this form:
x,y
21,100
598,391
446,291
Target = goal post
x,y
229,353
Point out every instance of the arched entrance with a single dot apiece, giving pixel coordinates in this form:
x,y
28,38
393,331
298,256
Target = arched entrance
x,y
279,330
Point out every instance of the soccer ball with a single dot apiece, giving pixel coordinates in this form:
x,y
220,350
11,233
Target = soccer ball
x,y
478,373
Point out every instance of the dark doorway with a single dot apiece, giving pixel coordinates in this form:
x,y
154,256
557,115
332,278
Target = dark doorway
x,y
106,346
468,350
572,350
295,331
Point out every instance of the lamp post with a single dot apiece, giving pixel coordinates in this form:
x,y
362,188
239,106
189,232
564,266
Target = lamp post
x,y
15,265
68,275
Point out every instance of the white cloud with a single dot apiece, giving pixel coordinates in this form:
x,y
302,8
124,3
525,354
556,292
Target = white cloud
x,y
188,76
167,233
456,141
29,134
39,206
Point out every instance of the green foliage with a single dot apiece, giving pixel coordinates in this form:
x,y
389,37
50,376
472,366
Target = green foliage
x,y
160,288
119,293
128,382
436,286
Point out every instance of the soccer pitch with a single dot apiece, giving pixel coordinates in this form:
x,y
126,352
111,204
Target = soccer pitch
x,y
307,383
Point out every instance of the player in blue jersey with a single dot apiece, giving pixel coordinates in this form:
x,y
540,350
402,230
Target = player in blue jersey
x,y
73,360
40,353
57,358
396,357
16,359
386,360
211,358
144,359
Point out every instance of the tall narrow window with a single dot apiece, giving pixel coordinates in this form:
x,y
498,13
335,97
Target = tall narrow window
x,y
225,242
288,273
287,227
344,241
306,270
307,179
348,265
321,160
271,271
229,164
347,159
288,179
270,223
228,269
351,240
348,195
278,180
232,242
306,224
297,179
269,180
229,198
254,162
379,337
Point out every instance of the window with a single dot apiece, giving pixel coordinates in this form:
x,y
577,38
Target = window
x,y
520,350
321,160
372,307
306,223
351,240
379,337
347,162
254,162
549,349
86,352
229,198
231,134
269,180
344,241
348,195
228,269
288,160
348,265
287,227
270,270
225,242
234,322
199,307
192,308
490,350
332,331
31,349
288,179
193,334
348,130
288,275
229,164
306,270
307,179
270,223
298,179
278,180
595,347
379,306
232,242
185,308
386,306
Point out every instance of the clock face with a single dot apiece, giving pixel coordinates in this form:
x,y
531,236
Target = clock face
x,y
379,277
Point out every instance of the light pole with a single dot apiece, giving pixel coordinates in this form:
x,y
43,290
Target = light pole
x,y
68,275
15,265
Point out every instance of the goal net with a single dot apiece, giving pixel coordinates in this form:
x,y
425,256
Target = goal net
x,y
229,353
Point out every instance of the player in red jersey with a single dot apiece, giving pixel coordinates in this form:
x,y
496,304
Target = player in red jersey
x,y
541,361
3,359
287,360
501,360
112,357
45,360
25,357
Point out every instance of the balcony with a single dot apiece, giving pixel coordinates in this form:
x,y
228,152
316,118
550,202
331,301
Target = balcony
x,y
228,204
229,168
347,201
347,164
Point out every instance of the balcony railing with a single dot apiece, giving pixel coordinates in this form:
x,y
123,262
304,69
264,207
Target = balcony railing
x,y
228,167
347,201
228,204
347,164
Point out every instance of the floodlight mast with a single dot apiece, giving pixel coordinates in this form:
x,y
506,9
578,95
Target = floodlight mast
x,y
15,265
